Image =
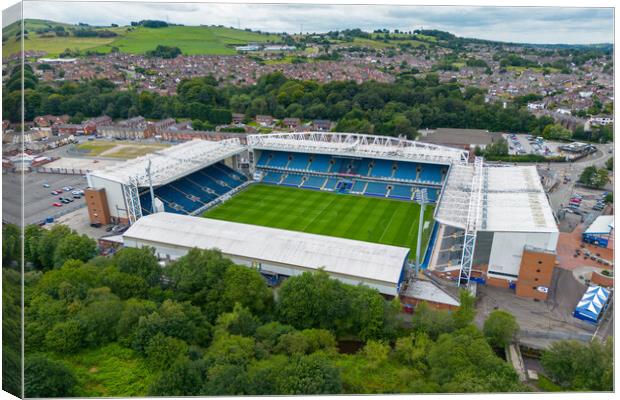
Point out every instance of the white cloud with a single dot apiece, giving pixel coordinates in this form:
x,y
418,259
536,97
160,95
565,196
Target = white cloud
x,y
517,24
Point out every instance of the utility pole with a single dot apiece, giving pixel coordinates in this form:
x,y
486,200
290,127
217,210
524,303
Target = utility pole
x,y
421,197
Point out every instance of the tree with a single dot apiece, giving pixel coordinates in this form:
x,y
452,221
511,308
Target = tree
x,y
183,378
500,328
310,374
499,148
556,131
238,322
11,244
47,378
163,350
579,366
139,261
99,317
225,379
609,164
76,247
46,248
179,320
65,337
466,312
312,300
306,342
591,176
230,349
247,287
412,350
376,353
133,310
431,322
197,277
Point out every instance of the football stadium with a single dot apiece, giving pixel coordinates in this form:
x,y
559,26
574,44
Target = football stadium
x,y
348,203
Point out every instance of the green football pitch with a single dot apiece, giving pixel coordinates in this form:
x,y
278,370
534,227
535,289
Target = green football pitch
x,y
370,219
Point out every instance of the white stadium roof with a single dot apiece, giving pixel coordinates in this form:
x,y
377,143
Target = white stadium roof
x,y
358,145
340,256
173,162
512,199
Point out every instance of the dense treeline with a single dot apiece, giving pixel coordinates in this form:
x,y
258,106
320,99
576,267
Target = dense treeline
x,y
205,326
398,108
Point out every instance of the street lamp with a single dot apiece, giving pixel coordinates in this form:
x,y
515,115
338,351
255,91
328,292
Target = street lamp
x,y
421,197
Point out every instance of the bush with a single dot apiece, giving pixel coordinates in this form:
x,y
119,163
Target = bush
x,y
500,328
47,378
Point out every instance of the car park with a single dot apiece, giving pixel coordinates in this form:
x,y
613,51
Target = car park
x,y
57,204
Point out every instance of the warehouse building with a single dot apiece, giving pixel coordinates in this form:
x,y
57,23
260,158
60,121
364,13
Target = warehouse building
x,y
288,253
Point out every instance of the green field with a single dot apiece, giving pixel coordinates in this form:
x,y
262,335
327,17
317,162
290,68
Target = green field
x,y
209,40
364,218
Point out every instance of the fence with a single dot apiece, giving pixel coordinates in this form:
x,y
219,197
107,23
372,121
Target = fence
x,y
64,171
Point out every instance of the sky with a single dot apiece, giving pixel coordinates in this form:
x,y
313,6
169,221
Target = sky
x,y
515,24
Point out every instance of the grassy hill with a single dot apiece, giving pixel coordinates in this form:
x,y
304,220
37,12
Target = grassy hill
x,y
136,40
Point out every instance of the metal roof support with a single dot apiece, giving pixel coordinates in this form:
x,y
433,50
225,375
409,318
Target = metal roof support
x,y
471,226
130,191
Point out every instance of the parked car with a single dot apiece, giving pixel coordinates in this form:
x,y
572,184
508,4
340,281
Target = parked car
x,y
57,204
46,185
77,196
67,188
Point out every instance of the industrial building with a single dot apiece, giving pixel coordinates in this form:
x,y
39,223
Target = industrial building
x,y
275,251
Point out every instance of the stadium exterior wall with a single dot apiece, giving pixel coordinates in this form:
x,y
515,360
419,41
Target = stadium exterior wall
x,y
117,205
507,251
170,251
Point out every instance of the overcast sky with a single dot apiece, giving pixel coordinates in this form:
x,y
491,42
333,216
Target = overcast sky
x,y
525,24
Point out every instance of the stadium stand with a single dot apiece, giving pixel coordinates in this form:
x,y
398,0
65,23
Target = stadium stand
x,y
272,177
431,173
292,180
382,169
314,182
358,187
331,184
411,174
299,161
407,171
376,189
320,163
401,192
193,191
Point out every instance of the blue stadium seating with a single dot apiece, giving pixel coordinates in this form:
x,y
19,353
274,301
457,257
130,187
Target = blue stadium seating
x,y
263,161
187,194
278,160
401,192
272,177
431,173
335,165
299,161
363,167
331,183
358,187
406,170
382,169
320,163
292,180
314,182
376,189
222,178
